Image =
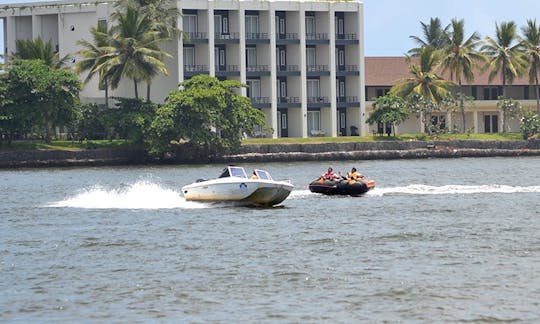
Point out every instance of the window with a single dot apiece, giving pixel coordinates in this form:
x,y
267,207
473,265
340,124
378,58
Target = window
x,y
221,24
382,92
310,26
282,89
102,23
340,89
491,93
311,58
254,88
251,57
313,121
340,56
189,24
340,24
252,26
491,123
438,121
313,89
283,121
189,57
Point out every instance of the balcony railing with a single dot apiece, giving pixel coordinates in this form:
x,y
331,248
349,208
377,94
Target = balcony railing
x,y
318,99
194,36
227,68
257,68
347,68
256,36
260,100
350,36
316,36
234,36
287,68
287,36
290,100
317,68
196,68
347,99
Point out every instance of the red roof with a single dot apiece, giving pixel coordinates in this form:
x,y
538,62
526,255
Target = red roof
x,y
386,71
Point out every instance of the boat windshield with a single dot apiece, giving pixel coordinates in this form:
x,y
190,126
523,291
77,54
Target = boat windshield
x,y
264,175
231,171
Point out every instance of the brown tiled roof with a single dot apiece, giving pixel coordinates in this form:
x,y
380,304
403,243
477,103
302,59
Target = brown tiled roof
x,y
387,71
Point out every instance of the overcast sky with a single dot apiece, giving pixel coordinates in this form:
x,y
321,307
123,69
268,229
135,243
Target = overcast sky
x,y
389,23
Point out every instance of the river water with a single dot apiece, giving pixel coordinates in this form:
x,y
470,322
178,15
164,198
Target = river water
x,y
436,241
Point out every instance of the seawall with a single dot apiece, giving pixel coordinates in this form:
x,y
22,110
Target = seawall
x,y
277,153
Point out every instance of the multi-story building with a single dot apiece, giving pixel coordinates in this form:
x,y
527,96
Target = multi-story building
x,y
303,60
481,114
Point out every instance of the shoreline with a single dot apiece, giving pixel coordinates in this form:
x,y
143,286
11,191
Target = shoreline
x,y
276,153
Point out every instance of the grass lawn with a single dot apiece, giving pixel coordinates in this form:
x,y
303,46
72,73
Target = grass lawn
x,y
77,146
399,137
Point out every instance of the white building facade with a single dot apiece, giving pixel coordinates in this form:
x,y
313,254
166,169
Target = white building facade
x,y
303,60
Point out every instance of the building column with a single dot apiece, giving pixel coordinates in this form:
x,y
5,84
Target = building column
x,y
10,34
303,72
36,27
211,39
363,128
475,121
242,30
449,121
180,50
273,73
332,66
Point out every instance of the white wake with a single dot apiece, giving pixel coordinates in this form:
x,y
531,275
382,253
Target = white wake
x,y
140,195
421,189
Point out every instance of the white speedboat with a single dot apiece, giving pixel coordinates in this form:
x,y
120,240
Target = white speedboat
x,y
233,185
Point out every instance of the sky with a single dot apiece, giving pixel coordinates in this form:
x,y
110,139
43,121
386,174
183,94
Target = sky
x,y
389,23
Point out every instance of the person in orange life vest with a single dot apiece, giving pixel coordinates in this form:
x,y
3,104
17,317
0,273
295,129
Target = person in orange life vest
x,y
329,175
354,175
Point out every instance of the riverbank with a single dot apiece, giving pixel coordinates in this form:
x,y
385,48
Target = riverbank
x,y
277,153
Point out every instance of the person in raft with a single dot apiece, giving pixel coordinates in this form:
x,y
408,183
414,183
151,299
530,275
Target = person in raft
x,y
354,175
329,175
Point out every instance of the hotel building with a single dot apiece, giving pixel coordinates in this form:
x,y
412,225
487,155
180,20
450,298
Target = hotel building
x,y
302,60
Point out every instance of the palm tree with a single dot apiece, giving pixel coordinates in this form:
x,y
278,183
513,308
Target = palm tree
x,y
136,54
424,85
37,49
505,56
163,13
94,56
531,44
434,35
461,59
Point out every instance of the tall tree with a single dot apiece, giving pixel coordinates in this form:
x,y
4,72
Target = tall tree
x,y
505,56
531,45
94,55
163,13
136,53
37,49
434,35
461,58
42,96
424,88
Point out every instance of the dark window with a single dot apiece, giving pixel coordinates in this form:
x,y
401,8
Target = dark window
x,y
526,93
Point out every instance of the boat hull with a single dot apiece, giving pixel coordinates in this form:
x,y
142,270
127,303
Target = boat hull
x,y
239,191
342,187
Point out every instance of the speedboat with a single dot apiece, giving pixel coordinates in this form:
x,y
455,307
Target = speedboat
x,y
234,186
341,186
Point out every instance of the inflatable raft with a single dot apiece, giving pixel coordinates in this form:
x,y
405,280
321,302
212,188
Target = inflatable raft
x,y
341,187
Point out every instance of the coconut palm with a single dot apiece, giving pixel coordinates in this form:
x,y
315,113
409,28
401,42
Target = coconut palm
x,y
531,44
136,54
424,80
163,13
94,56
505,56
434,35
461,59
37,49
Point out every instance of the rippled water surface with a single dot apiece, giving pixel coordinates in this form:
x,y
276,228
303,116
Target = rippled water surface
x,y
437,240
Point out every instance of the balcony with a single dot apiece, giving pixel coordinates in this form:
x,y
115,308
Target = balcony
x,y
287,38
257,38
317,38
317,102
317,70
261,102
344,39
195,37
227,70
343,70
287,70
289,102
231,38
347,101
257,70
194,69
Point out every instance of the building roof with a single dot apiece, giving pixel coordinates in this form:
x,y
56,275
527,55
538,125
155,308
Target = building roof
x,y
388,70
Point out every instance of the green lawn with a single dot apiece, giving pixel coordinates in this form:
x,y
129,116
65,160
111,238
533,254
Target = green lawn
x,y
76,146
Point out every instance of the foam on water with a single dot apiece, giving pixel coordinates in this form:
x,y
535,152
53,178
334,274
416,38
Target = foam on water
x,y
421,189
140,195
